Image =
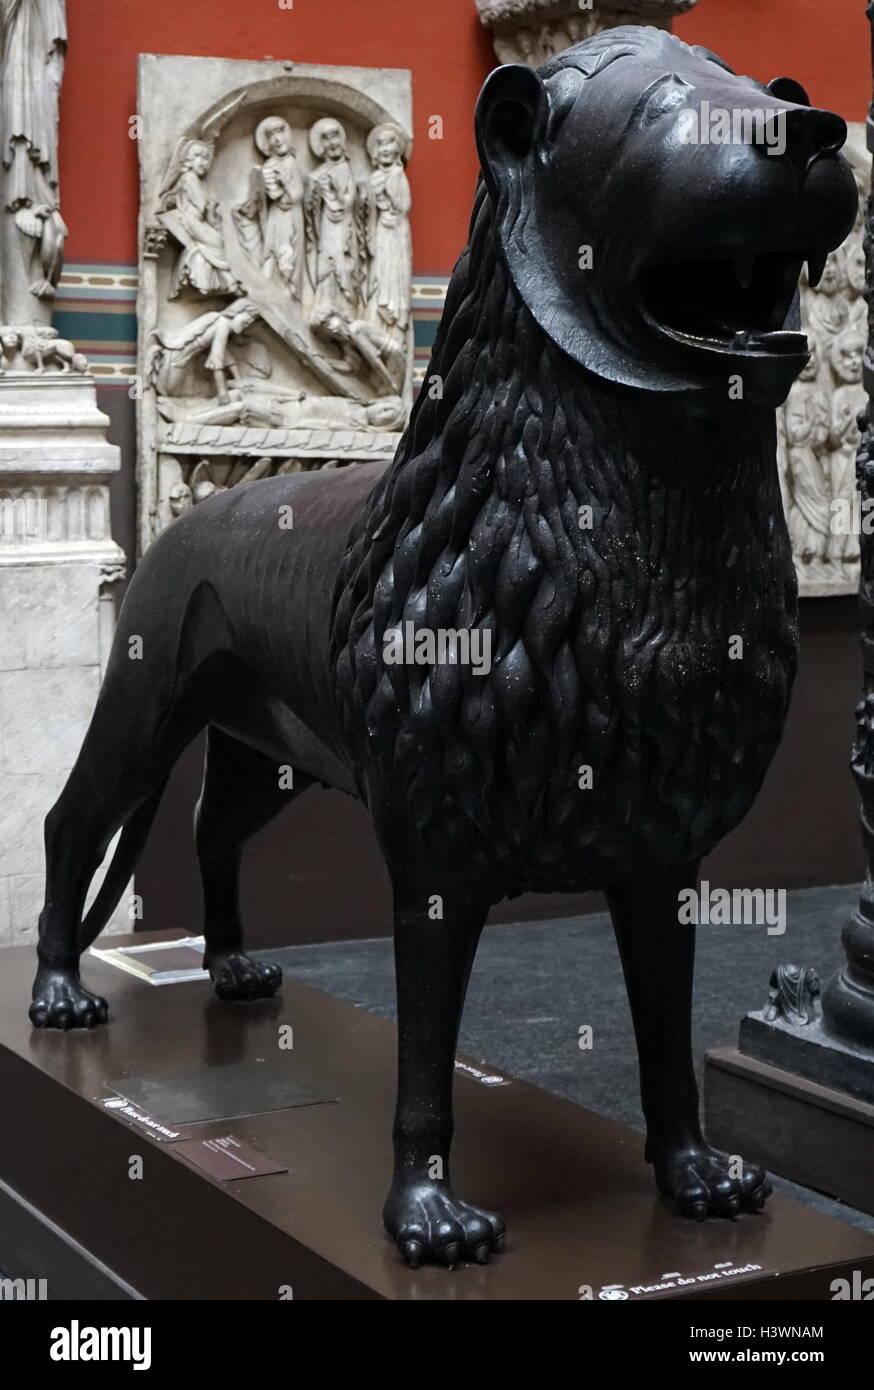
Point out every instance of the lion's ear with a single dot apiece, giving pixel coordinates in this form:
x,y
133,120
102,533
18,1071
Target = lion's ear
x,y
511,117
787,89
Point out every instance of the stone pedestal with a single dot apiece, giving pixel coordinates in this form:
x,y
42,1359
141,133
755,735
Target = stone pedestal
x,y
815,1135
58,569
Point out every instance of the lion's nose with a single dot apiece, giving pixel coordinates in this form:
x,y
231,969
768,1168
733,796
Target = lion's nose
x,y
803,133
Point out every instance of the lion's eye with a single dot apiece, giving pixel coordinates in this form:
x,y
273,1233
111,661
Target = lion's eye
x,y
661,98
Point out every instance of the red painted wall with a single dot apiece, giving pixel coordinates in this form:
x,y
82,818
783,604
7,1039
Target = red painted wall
x,y
824,45
440,41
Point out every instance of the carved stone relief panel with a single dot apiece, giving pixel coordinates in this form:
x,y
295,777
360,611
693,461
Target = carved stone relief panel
x,y
275,273
817,429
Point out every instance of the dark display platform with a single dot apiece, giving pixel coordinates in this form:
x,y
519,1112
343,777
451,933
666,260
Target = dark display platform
x,y
810,1133
579,1200
808,1050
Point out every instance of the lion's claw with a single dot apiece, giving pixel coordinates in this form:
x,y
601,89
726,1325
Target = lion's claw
x,y
237,976
60,1001
429,1224
702,1184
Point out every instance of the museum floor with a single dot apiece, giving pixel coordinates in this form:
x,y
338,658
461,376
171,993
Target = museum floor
x,y
534,984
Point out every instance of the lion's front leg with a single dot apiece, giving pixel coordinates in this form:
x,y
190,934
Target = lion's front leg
x,y
658,956
433,958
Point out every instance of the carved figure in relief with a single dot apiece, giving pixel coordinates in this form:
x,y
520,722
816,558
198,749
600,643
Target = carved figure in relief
x,y
834,315
195,220
827,303
364,346
285,411
388,231
847,401
179,499
12,358
806,424
858,315
175,355
333,213
271,223
33,39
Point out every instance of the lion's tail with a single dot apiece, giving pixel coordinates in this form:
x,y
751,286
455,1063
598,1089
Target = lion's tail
x,y
124,861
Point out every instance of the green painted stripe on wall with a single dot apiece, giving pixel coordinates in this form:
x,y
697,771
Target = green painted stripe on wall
x,y
116,328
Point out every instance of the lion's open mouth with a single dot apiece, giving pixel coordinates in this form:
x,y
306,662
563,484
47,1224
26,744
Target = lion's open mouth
x,y
737,304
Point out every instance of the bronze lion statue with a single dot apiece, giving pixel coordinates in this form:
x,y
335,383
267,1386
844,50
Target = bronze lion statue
x,y
551,645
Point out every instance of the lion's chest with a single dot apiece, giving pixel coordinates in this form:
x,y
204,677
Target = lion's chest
x,y
641,747
640,665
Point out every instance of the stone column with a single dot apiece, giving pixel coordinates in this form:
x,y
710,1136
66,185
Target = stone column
x,y
58,562
530,31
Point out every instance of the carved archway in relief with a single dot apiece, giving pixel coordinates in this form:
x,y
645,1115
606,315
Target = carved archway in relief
x,y
326,97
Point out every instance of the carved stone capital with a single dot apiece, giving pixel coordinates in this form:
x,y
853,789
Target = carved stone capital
x,y
112,572
531,31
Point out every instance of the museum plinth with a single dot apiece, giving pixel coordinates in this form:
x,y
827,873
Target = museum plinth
x,y
77,1208
810,1133
58,570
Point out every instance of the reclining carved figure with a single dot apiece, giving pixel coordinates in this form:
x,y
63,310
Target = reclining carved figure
x,y
593,490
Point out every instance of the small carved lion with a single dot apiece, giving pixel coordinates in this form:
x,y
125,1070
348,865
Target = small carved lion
x,y
33,348
43,348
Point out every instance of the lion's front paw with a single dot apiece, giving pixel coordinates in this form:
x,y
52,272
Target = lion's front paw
x,y
429,1224
60,1001
237,976
704,1182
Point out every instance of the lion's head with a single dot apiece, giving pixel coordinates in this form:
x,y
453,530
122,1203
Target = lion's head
x,y
654,209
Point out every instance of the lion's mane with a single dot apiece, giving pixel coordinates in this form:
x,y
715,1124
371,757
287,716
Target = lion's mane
x,y
608,638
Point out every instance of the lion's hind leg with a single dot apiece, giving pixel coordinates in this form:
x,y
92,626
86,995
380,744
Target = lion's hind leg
x,y
242,792
151,705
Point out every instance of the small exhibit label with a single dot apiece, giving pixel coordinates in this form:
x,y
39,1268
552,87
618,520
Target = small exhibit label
x,y
228,1158
485,1078
675,1280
